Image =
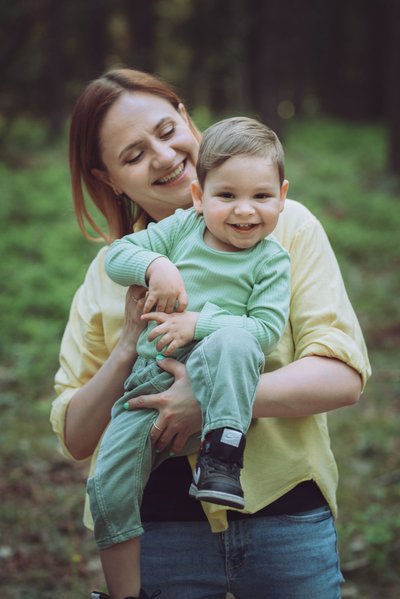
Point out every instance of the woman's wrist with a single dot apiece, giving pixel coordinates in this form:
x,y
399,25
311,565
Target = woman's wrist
x,y
125,349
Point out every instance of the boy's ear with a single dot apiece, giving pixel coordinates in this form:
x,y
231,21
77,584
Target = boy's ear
x,y
283,194
197,196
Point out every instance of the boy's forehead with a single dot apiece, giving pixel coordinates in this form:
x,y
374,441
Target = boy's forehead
x,y
247,173
245,163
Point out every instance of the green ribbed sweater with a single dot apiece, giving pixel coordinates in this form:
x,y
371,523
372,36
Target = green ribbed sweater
x,y
247,289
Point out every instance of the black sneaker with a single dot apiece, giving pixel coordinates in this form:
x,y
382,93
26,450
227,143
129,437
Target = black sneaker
x,y
216,478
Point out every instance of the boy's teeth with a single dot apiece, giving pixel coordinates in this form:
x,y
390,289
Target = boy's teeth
x,y
173,175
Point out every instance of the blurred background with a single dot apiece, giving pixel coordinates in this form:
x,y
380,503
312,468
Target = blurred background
x,y
326,77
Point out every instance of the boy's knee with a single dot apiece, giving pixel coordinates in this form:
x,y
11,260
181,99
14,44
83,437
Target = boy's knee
x,y
238,340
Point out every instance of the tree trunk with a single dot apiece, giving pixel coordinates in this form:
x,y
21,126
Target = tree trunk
x,y
392,80
54,66
141,19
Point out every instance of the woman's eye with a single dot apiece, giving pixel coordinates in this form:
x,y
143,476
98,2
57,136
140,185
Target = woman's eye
x,y
167,132
134,159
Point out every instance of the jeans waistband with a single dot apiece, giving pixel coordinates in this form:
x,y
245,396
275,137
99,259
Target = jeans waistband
x,y
305,496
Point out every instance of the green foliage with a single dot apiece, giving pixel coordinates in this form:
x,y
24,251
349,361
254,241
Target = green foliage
x,y
45,261
337,169
334,168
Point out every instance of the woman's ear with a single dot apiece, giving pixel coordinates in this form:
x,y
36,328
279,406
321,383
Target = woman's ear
x,y
186,118
197,196
104,177
183,112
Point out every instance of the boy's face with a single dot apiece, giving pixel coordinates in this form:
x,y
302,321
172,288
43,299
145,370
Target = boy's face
x,y
241,202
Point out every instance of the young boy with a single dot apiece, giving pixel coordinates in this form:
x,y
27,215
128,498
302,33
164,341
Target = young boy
x,y
237,283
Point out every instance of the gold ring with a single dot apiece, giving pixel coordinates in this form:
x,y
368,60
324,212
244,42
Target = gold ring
x,y
159,429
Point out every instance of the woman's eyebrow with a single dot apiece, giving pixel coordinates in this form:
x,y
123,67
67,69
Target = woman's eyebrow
x,y
136,143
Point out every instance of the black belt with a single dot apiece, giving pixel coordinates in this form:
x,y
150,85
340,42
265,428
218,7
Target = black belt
x,y
305,496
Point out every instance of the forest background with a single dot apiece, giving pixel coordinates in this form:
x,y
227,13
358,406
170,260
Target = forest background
x,y
326,77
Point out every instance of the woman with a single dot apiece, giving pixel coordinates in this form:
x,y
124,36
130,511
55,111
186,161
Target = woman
x,y
134,147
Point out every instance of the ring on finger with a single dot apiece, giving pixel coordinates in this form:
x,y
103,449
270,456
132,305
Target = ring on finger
x,y
158,428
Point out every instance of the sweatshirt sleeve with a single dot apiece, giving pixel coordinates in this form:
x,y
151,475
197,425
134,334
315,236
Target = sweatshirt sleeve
x,y
128,259
83,349
322,319
267,308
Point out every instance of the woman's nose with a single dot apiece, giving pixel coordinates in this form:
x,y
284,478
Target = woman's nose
x,y
164,155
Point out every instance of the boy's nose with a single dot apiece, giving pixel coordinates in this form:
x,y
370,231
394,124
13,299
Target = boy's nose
x,y
244,207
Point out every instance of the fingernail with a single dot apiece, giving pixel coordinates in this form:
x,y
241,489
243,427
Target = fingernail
x,y
158,450
171,454
160,357
126,406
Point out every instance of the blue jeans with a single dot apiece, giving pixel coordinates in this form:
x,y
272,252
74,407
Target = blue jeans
x,y
274,557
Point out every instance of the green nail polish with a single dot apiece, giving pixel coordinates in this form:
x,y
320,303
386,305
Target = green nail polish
x,y
171,454
160,357
126,406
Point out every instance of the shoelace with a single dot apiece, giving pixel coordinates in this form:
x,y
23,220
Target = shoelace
x,y
216,465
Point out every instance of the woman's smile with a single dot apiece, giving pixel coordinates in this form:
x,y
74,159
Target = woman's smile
x,y
172,177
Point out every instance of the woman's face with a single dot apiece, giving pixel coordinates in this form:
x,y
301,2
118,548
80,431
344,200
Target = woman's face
x,y
149,153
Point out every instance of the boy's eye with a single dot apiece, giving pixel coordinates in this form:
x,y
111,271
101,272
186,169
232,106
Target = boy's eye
x,y
227,195
261,196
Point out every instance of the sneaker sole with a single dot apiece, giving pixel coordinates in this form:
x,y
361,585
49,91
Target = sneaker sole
x,y
193,490
218,497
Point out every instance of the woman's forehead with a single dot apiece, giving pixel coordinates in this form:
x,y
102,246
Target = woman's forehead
x,y
139,108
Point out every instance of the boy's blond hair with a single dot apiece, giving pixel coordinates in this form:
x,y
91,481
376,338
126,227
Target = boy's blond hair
x,y
234,137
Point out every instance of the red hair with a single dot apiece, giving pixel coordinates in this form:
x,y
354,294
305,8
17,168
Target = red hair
x,y
84,150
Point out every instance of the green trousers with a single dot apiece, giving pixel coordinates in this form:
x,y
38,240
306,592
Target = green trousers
x,y
224,370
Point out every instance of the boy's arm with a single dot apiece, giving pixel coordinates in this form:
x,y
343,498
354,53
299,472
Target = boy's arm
x,y
267,308
267,313
141,259
128,259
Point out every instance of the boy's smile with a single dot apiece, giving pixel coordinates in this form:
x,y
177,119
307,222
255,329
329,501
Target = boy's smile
x,y
241,202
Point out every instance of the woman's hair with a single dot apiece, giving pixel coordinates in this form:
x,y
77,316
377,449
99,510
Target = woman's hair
x,y
85,155
238,136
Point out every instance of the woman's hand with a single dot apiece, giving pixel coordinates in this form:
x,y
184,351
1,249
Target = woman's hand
x,y
179,412
175,330
166,288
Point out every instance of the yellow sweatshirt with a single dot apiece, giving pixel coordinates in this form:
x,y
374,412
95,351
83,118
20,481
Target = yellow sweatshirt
x,y
280,453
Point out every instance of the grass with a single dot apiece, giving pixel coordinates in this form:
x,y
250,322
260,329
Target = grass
x,y
336,169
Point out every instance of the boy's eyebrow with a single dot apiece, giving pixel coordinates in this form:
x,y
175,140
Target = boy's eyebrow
x,y
136,143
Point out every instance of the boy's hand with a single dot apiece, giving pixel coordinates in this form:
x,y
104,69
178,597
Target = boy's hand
x,y
166,288
176,330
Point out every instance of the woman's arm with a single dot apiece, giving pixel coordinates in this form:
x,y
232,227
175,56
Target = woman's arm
x,y
311,385
308,386
89,410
